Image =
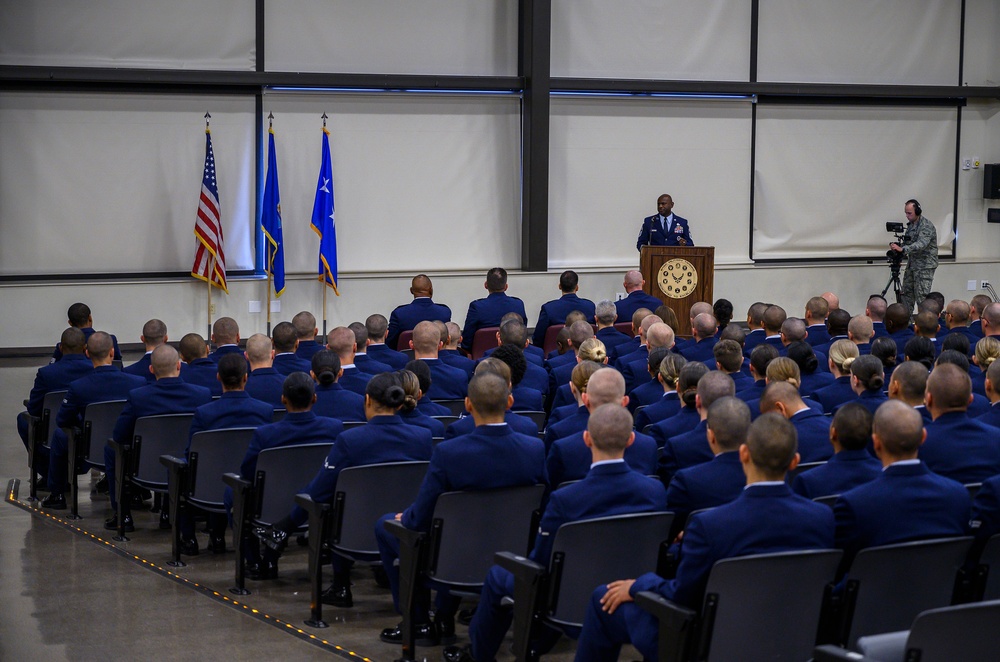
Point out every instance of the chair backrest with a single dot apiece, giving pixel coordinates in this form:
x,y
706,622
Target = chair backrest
x,y
50,407
213,453
278,414
549,343
456,407
281,474
637,410
348,425
166,434
891,584
469,527
366,493
485,339
964,632
594,552
624,327
973,489
991,558
403,343
537,416
767,606
446,420
99,420
802,468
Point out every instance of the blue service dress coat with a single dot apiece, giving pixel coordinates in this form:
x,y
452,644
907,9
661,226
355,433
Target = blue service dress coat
x,y
656,232
609,488
371,365
844,471
668,405
985,518
555,312
141,368
447,382
335,401
407,316
611,337
89,331
234,409
906,502
288,362
202,372
307,348
487,312
705,485
384,354
467,424
570,459
634,301
265,384
765,518
961,448
103,383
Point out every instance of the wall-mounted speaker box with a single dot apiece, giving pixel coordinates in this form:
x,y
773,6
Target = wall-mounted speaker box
x,y
991,180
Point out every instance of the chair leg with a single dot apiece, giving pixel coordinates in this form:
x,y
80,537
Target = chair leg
x,y
241,496
33,432
175,475
318,533
121,457
74,481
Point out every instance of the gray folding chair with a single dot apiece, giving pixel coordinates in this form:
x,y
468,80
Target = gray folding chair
x,y
456,407
268,495
886,587
278,414
350,425
760,607
537,416
40,431
989,560
347,526
828,500
467,529
963,632
137,462
802,468
85,446
197,481
585,554
973,489
446,420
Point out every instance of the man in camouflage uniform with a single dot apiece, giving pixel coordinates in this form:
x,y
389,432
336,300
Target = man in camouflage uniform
x,y
920,247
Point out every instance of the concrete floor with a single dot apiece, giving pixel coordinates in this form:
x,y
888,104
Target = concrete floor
x,y
65,596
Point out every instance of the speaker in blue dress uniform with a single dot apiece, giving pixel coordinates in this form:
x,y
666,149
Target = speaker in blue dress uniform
x,y
422,308
609,488
766,517
664,228
104,382
490,310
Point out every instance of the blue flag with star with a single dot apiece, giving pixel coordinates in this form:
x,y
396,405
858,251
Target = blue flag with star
x,y
270,221
323,219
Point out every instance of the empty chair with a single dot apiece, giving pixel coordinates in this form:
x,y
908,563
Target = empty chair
x,y
484,340
268,495
585,554
197,481
459,548
963,632
759,607
887,586
346,526
138,461
40,429
85,446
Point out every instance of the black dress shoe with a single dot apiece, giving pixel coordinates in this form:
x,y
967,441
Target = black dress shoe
x,y
338,597
262,570
458,654
189,547
112,524
217,544
445,630
426,635
381,579
54,501
275,539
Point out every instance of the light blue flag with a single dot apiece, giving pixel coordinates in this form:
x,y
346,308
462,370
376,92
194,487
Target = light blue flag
x,y
323,219
270,220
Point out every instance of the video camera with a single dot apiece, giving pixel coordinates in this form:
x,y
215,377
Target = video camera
x,y
894,258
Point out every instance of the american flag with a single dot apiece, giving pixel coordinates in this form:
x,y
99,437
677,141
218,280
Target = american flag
x,y
208,226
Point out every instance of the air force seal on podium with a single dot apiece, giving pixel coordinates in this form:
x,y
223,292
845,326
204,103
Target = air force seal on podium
x,y
677,278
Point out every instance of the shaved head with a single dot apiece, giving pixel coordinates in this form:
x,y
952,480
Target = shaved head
x,y
610,428
605,386
165,362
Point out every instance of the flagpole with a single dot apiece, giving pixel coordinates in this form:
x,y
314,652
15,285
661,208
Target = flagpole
x,y
324,308
211,274
269,276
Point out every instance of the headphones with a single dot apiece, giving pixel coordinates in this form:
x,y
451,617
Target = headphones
x,y
916,206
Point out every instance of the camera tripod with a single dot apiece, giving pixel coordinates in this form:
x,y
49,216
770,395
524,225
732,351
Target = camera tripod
x,y
893,281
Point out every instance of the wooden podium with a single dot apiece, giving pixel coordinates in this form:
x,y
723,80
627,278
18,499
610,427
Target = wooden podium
x,y
679,276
